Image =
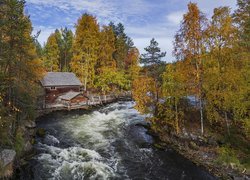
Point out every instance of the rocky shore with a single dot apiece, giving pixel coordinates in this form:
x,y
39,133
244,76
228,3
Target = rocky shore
x,y
12,158
201,150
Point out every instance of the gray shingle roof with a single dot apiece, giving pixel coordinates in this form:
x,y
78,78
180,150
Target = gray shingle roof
x,y
60,79
69,95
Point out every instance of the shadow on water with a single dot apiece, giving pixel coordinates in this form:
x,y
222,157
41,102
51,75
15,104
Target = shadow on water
x,y
106,143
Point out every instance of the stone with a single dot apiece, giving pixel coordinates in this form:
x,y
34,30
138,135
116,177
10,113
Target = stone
x,y
30,124
7,158
28,147
193,137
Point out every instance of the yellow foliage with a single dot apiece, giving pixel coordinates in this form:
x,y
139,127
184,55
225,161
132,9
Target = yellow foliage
x,y
144,92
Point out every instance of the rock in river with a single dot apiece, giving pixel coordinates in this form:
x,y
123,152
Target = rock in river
x,y
7,157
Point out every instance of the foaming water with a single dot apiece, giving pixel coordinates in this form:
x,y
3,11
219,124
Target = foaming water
x,y
109,143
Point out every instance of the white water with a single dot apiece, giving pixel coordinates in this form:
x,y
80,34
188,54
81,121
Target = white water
x,y
94,132
110,143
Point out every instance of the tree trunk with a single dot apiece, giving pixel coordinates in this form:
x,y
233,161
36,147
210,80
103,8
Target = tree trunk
x,y
85,83
227,123
65,62
176,118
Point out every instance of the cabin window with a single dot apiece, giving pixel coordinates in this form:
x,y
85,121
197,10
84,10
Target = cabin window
x,y
52,88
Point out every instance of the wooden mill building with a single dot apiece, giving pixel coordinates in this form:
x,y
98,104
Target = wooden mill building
x,y
61,86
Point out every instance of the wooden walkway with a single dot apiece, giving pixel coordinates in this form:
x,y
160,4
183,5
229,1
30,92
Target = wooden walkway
x,y
94,100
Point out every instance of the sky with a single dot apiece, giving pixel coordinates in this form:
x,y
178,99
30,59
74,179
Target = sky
x,y
143,19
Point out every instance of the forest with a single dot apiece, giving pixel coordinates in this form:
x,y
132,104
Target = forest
x,y
205,91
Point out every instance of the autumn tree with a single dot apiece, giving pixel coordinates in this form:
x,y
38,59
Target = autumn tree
x,y
144,94
52,53
189,46
222,78
132,67
173,89
242,20
106,69
20,67
106,49
85,49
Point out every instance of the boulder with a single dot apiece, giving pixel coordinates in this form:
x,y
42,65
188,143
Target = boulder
x,y
7,158
28,147
30,124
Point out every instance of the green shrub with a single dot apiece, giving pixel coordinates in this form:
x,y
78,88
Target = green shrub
x,y
228,157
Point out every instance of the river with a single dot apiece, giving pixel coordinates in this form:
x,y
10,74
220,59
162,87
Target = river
x,y
107,143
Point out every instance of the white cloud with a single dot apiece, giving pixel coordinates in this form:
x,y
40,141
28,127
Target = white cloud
x,y
103,9
143,19
175,17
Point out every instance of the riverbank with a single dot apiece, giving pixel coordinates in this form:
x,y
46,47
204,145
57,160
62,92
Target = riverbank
x,y
23,149
201,150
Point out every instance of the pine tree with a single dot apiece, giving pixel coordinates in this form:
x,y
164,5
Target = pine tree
x,y
154,66
66,49
153,54
120,45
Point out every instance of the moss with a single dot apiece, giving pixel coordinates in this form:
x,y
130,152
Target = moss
x,y
41,132
19,142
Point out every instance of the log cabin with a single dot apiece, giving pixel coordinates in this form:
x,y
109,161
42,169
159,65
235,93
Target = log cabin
x,y
59,83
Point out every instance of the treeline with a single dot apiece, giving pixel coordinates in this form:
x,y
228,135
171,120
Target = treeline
x,y
20,71
103,57
209,79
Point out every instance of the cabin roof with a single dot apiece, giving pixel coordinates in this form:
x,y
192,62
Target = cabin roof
x,y
69,95
60,79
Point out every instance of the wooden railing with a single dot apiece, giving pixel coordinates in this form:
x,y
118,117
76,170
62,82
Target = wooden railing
x,y
93,101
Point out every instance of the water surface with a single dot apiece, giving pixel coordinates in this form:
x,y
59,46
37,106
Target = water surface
x,y
108,143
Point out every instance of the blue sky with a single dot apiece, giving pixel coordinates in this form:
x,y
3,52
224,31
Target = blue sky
x,y
143,19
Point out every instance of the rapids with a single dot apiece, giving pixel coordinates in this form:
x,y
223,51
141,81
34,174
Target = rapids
x,y
108,143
